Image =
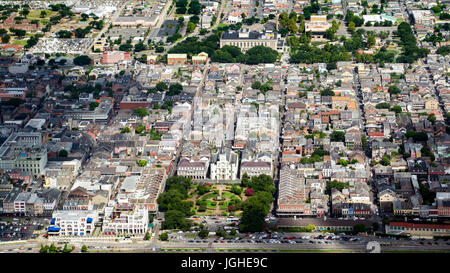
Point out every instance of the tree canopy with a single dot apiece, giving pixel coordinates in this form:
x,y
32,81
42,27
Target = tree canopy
x,y
82,60
410,51
141,112
174,204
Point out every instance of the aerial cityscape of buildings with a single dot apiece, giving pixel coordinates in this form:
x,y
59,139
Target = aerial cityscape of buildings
x,y
225,124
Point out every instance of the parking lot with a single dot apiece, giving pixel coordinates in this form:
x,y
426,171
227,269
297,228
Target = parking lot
x,y
275,238
327,239
16,231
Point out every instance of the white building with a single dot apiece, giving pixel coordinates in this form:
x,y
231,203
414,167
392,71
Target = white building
x,y
20,202
73,222
224,165
126,218
379,18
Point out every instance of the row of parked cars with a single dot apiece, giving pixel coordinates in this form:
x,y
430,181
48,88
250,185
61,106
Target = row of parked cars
x,y
14,232
282,240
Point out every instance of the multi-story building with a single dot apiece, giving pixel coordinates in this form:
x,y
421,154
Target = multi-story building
x,y
194,168
133,21
423,21
256,168
246,39
292,193
98,115
201,58
34,206
23,151
126,218
20,202
13,92
443,204
262,164
113,57
70,222
176,58
318,25
99,45
418,230
9,201
224,165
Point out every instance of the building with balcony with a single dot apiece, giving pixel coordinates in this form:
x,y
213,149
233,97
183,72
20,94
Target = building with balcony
x,y
126,218
72,222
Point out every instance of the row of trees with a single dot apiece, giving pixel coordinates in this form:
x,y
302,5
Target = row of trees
x,y
256,207
410,51
255,55
53,249
173,203
329,54
194,7
226,54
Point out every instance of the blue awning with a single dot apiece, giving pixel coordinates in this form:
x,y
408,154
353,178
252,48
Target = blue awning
x,y
81,233
89,220
75,233
53,229
52,222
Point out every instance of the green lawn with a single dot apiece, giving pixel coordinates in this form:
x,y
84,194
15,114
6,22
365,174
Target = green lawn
x,y
36,14
19,42
209,196
209,205
229,195
224,206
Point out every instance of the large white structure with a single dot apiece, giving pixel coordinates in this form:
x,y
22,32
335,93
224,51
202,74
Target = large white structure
x,y
72,222
379,18
224,165
125,218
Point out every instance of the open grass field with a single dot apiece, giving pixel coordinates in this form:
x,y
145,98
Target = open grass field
x,y
19,42
36,14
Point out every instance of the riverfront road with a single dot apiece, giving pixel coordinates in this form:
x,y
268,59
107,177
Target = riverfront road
x,y
145,246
